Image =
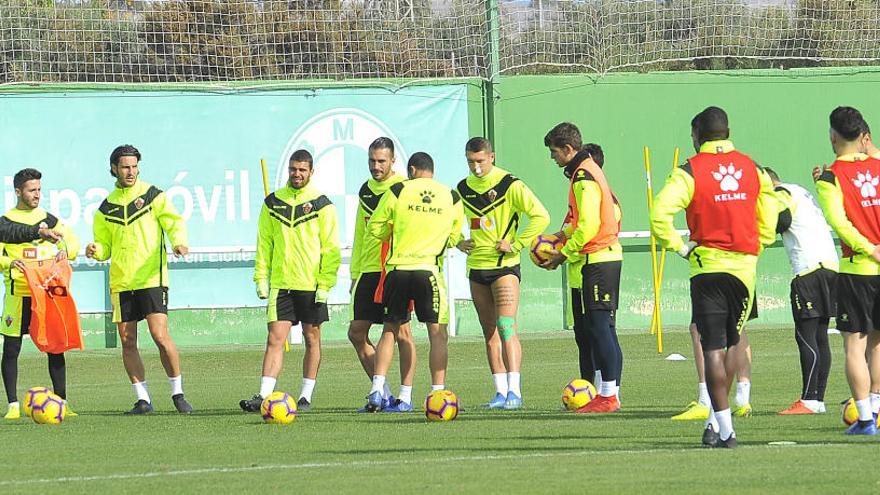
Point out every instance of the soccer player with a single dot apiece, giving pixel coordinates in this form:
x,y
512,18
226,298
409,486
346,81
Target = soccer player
x,y
848,196
495,203
295,268
130,229
810,248
731,213
574,266
368,258
594,224
423,217
17,304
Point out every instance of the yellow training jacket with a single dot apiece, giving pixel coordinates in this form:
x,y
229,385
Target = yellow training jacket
x,y
831,201
426,217
130,229
677,194
297,241
366,254
36,250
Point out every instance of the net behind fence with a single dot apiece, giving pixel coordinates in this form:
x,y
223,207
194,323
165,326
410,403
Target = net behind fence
x,y
186,41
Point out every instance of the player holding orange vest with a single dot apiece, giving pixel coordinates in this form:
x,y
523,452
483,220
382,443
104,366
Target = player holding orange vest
x,y
595,237
17,314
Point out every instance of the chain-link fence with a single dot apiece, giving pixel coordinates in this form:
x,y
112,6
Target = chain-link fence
x,y
188,41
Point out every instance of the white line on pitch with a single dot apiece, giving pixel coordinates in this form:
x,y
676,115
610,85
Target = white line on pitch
x,y
321,465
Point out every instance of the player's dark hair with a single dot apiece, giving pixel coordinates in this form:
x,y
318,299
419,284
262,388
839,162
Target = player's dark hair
x,y
772,173
421,161
848,122
563,134
382,143
595,152
302,156
124,150
710,125
25,175
478,144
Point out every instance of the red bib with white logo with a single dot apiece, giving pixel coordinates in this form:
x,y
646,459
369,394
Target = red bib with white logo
x,y
723,212
860,183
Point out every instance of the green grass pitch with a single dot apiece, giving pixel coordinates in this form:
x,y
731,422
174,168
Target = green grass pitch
x,y
539,449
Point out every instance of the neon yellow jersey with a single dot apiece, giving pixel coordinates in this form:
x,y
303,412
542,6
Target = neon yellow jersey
x,y
677,194
830,199
297,241
130,229
366,254
494,205
36,250
422,217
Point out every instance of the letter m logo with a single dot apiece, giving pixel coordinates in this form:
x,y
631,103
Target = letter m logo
x,y
343,130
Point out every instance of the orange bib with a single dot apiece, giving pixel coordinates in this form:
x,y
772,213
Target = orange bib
x,y
55,326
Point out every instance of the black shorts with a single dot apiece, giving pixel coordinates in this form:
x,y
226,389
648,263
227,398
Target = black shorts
x,y
601,285
578,312
858,302
363,300
426,289
721,304
296,306
135,305
488,277
753,314
812,295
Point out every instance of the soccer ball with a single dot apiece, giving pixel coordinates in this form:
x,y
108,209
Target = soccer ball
x,y
48,409
441,405
542,244
278,409
577,393
33,394
849,413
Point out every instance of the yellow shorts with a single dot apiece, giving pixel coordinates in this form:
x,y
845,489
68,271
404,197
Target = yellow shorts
x,y
16,315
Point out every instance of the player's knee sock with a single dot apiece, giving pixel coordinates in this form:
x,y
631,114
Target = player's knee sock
x,y
437,386
58,375
386,390
743,393
805,331
378,384
864,408
513,379
704,394
9,366
267,386
619,350
405,394
141,391
582,338
725,423
500,381
176,383
875,402
308,386
599,323
712,421
824,359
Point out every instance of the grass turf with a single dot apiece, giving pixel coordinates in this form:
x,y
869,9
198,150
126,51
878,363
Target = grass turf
x,y
539,449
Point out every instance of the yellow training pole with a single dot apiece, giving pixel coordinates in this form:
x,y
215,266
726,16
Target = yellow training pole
x,y
675,157
266,190
654,271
